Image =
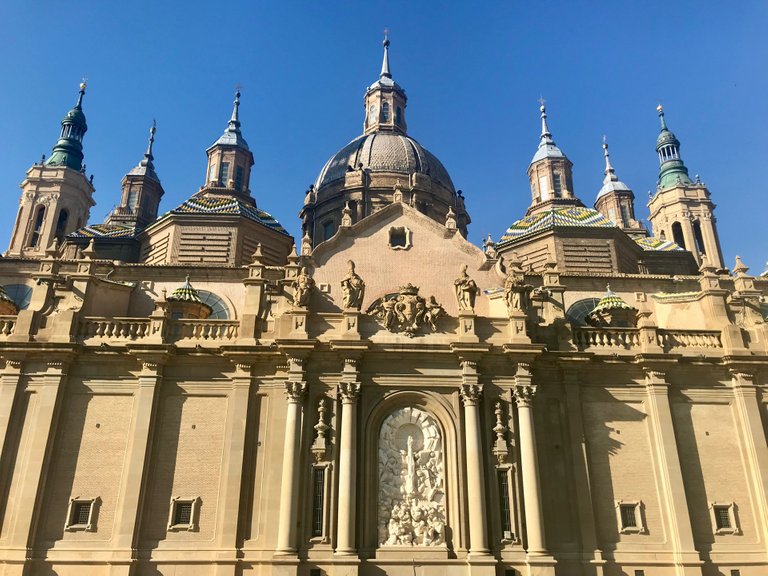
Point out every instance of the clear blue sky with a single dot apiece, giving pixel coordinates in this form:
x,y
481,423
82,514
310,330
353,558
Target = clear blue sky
x,y
473,72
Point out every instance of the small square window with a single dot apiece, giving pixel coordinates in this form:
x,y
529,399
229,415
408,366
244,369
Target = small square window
x,y
183,514
639,572
399,238
735,572
82,514
723,517
629,515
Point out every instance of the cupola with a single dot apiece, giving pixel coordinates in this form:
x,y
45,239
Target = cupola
x,y
385,102
550,173
230,160
68,151
615,200
672,171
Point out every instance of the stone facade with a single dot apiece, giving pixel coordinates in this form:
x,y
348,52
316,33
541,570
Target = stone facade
x,y
390,400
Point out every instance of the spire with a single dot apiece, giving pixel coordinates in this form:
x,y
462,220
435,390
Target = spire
x,y
673,171
232,135
234,121
147,167
611,182
546,135
547,147
660,110
385,73
610,173
68,151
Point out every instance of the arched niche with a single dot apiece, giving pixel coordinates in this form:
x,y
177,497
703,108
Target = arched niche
x,y
431,421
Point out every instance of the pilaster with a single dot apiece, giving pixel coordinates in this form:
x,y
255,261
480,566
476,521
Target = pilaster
x,y
669,471
129,503
349,392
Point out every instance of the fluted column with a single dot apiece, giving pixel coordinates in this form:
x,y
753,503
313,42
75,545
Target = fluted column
x,y
349,391
295,389
525,391
471,391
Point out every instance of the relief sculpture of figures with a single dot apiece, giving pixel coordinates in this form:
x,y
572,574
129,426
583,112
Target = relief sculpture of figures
x,y
302,288
411,480
466,290
353,288
407,311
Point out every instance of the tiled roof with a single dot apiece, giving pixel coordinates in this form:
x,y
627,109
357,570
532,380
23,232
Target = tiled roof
x,y
656,244
186,293
558,218
611,301
228,205
104,231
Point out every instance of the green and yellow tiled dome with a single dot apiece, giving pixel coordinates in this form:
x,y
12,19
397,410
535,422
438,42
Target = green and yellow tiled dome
x,y
573,216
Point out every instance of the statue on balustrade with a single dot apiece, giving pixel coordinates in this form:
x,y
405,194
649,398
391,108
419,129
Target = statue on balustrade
x,y
466,290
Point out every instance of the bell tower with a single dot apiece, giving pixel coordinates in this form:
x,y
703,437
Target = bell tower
x,y
230,160
681,209
141,193
550,173
616,201
56,195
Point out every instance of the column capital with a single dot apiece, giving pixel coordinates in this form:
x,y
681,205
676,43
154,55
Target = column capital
x,y
741,378
295,391
471,394
349,392
524,394
655,377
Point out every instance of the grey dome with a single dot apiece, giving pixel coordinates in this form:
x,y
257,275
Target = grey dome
x,y
384,152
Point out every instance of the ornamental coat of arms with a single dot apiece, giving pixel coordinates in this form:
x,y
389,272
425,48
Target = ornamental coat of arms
x,y
407,312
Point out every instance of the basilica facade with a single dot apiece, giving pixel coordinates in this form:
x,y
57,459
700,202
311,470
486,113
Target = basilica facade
x,y
195,392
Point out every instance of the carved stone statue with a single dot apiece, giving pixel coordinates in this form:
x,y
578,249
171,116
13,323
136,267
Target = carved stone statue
x,y
302,288
353,288
411,507
466,290
516,292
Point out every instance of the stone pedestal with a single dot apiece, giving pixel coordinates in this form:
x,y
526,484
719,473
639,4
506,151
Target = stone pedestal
x,y
297,323
467,326
518,334
350,324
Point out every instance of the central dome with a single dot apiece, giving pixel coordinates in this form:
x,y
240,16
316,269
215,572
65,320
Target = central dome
x,y
384,152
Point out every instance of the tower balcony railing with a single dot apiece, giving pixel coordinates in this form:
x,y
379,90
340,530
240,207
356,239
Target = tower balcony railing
x,y
7,325
586,338
681,340
204,330
112,329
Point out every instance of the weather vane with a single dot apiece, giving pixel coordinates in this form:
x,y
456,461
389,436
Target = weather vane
x,y
542,101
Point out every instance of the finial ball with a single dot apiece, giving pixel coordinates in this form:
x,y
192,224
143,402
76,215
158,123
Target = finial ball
x,y
83,86
659,108
543,108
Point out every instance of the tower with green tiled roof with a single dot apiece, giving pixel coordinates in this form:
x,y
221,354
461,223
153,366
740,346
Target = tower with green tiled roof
x,y
56,194
681,209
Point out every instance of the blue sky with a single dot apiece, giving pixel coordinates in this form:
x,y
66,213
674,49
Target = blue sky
x,y
473,73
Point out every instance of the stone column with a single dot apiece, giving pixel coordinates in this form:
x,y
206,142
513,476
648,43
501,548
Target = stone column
x,y
670,474
349,391
747,408
46,394
139,442
524,392
471,391
295,389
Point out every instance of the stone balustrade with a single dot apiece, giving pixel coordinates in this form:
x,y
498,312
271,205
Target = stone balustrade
x,y
130,329
585,338
204,330
680,340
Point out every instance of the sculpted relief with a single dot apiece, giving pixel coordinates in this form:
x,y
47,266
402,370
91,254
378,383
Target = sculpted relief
x,y
411,480
407,311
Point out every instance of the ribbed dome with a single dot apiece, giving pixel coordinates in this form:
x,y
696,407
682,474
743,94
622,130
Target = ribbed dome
x,y
384,152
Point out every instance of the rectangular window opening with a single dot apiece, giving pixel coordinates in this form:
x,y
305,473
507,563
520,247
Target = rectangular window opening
x,y
722,517
506,508
224,174
239,178
183,513
628,516
558,188
81,512
318,493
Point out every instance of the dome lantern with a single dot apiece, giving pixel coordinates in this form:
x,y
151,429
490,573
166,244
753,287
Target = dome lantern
x,y
385,102
69,148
